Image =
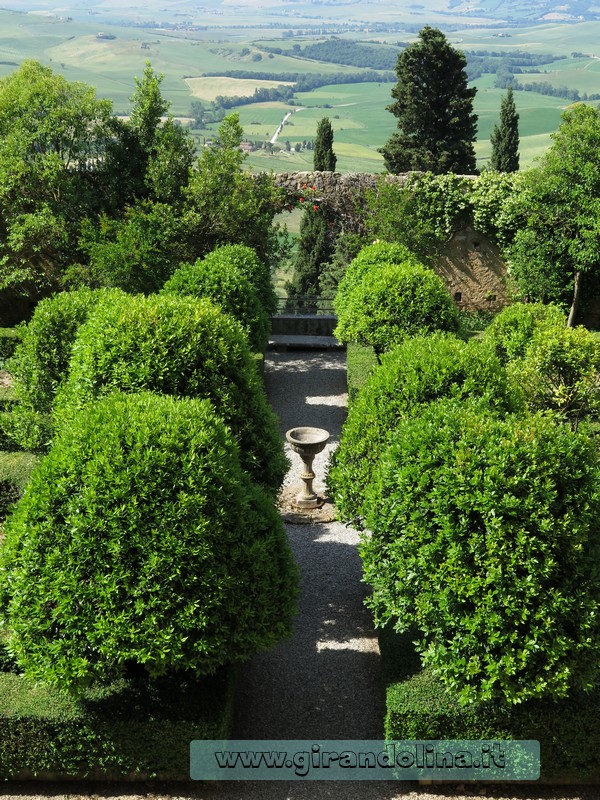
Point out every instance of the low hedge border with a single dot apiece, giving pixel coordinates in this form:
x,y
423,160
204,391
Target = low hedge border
x,y
419,707
129,730
25,430
15,470
7,398
9,339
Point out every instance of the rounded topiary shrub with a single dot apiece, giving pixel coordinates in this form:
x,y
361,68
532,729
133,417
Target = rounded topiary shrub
x,y
512,330
392,303
141,542
418,371
369,259
485,538
41,361
227,286
183,347
560,371
245,259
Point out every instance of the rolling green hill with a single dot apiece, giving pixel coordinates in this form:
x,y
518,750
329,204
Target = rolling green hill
x,y
241,59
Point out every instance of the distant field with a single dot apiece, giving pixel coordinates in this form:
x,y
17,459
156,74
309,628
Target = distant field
x,y
210,88
357,112
361,124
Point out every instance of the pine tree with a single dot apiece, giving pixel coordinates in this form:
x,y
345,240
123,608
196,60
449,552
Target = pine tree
x,y
434,107
315,247
324,159
505,138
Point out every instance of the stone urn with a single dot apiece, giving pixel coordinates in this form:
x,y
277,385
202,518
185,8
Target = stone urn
x,y
307,442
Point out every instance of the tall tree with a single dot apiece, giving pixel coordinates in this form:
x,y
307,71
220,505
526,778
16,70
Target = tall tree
x,y
434,107
316,246
226,204
555,254
165,151
55,139
324,159
505,137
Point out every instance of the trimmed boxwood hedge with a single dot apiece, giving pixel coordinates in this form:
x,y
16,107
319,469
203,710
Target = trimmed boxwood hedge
x,y
141,544
419,706
560,372
393,302
419,371
180,346
484,537
227,286
128,729
245,259
41,361
511,331
369,259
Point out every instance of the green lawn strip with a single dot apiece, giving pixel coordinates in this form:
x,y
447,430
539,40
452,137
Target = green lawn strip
x,y
360,361
128,729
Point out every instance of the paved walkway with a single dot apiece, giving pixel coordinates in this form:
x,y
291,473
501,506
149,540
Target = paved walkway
x,y
324,683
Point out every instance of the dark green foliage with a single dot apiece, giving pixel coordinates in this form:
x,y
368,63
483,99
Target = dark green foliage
x,y
422,708
141,542
164,152
9,339
434,107
15,471
555,253
560,371
485,538
392,302
316,247
226,204
50,130
343,51
136,253
512,330
417,372
184,347
324,159
505,137
227,286
127,729
41,361
245,259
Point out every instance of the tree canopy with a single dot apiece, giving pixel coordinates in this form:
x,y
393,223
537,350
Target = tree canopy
x,y
434,107
557,244
324,159
505,136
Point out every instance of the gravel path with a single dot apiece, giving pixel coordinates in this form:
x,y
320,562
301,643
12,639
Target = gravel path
x,y
324,682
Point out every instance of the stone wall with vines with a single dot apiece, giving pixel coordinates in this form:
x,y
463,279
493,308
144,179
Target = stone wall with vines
x,y
460,214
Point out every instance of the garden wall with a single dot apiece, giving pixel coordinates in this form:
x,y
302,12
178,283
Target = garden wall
x,y
471,265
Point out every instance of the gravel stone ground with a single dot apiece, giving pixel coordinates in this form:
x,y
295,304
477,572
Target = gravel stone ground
x,y
324,682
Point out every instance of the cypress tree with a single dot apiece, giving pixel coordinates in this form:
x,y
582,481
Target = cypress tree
x,y
505,137
324,159
434,107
